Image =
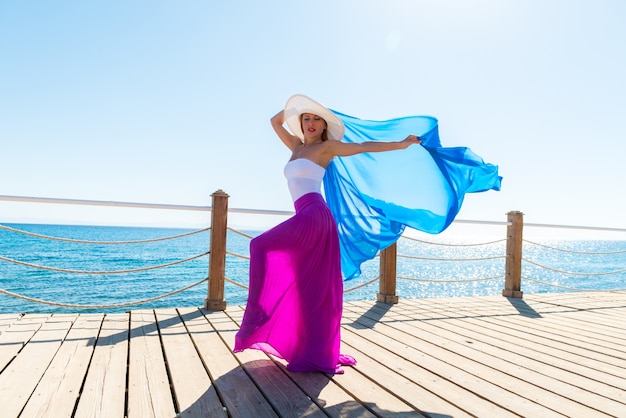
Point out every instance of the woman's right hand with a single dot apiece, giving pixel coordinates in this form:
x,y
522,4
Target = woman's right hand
x,y
279,118
291,141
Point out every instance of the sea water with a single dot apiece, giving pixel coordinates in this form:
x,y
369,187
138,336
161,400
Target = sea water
x,y
55,266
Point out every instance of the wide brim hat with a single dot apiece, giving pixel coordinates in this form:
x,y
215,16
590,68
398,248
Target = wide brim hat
x,y
299,104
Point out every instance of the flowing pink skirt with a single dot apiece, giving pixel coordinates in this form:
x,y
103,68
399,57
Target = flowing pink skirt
x,y
296,291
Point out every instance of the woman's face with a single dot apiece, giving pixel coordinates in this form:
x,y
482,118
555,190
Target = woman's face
x,y
312,125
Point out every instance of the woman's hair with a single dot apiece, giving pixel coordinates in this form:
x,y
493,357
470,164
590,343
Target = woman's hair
x,y
324,134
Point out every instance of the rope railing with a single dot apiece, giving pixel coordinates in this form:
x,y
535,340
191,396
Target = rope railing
x,y
413,257
576,289
107,272
446,244
240,233
400,256
462,246
352,289
243,286
574,251
218,253
481,279
136,270
369,282
93,242
105,306
244,257
581,256
81,241
606,273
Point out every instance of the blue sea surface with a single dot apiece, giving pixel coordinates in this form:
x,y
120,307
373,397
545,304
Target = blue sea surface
x,y
33,267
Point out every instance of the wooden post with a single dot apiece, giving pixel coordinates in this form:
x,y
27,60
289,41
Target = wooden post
x,y
513,273
217,256
387,288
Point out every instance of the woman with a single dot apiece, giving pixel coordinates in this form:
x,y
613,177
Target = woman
x,y
296,290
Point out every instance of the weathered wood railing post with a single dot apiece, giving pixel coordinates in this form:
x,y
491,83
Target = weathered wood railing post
x,y
387,289
513,273
217,256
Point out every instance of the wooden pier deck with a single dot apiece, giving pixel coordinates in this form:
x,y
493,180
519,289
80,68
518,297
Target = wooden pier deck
x,y
561,354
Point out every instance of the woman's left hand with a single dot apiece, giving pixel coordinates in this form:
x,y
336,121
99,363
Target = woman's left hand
x,y
412,139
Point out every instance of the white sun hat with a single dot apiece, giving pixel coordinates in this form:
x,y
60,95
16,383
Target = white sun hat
x,y
299,104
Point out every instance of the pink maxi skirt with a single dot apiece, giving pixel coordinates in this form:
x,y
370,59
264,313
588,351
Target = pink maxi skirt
x,y
296,291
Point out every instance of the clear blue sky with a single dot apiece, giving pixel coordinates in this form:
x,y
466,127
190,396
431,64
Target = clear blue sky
x,y
169,101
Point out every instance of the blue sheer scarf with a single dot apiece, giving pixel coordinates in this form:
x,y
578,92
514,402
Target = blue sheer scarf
x,y
374,196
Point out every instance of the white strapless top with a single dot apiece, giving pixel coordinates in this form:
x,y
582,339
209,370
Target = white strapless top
x,y
303,176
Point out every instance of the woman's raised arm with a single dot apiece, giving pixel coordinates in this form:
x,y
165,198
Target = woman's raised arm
x,y
344,149
291,141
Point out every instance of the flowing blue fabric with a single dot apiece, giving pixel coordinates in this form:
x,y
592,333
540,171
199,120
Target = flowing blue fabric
x,y
374,196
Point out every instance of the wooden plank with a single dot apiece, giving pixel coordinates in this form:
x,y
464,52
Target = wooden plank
x,y
607,304
149,394
385,392
603,325
104,391
319,387
195,394
473,375
463,390
542,376
550,348
606,393
556,326
552,325
19,379
588,322
444,356
7,319
13,339
58,389
281,391
563,368
239,394
538,339
328,395
349,407
414,384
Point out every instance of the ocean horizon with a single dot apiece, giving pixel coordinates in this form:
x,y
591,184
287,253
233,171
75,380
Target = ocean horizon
x,y
37,267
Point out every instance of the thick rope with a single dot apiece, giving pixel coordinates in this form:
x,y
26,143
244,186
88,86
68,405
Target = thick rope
x,y
238,255
451,259
8,293
102,272
574,272
239,232
114,305
573,288
32,234
451,280
345,290
453,245
235,283
575,252
352,289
